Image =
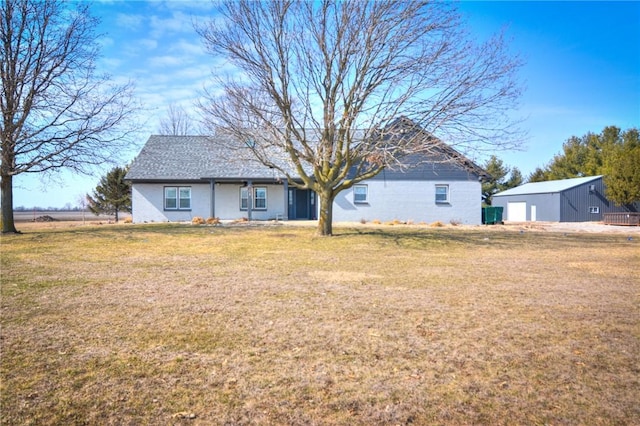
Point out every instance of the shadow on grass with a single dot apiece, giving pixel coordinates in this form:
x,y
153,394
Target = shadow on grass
x,y
484,238
402,237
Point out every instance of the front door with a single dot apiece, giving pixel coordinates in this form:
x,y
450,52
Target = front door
x,y
302,203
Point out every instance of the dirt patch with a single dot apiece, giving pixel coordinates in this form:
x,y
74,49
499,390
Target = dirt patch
x,y
521,227
589,227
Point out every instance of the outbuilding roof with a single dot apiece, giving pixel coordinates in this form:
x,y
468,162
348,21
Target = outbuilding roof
x,y
547,187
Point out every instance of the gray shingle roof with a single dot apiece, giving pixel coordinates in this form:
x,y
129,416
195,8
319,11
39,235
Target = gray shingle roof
x,y
187,158
166,158
547,187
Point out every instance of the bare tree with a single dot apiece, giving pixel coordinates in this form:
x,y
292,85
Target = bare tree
x,y
326,82
57,112
82,202
177,122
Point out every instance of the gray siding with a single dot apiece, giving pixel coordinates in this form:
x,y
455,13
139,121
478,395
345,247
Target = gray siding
x,y
571,205
547,206
576,202
429,171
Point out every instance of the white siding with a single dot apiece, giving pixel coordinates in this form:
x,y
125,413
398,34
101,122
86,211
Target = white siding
x,y
412,200
387,200
227,202
147,202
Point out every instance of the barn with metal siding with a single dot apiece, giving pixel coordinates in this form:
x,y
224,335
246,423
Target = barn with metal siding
x,y
567,200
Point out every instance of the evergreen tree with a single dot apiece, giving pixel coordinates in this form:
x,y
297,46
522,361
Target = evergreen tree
x,y
621,167
515,179
613,153
538,175
112,195
499,182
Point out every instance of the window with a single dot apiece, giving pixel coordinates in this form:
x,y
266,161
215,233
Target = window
x,y
360,193
594,210
442,194
259,198
177,198
244,198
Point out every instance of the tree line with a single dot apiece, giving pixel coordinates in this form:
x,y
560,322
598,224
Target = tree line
x,y
613,153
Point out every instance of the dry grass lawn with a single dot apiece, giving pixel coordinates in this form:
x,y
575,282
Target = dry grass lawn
x,y
177,324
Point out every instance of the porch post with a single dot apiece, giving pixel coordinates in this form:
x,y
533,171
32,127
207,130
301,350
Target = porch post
x,y
249,199
212,183
285,215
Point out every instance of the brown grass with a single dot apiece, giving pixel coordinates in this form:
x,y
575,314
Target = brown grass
x,y
175,324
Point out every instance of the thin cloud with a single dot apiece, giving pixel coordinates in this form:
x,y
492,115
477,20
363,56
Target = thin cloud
x,y
133,22
147,43
111,63
197,72
179,22
184,46
167,61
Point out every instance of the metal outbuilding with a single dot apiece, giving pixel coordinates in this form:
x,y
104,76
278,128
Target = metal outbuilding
x,y
567,200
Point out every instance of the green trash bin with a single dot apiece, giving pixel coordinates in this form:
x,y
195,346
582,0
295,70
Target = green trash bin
x,y
492,215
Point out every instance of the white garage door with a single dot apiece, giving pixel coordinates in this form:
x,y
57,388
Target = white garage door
x,y
517,212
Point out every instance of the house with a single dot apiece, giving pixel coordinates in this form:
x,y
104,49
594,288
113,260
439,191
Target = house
x,y
175,178
567,200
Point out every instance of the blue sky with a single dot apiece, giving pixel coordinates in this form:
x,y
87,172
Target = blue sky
x,y
581,73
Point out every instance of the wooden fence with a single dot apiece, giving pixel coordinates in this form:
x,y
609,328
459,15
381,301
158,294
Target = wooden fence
x,y
625,218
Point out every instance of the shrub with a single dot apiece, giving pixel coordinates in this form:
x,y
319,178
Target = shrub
x,y
455,222
197,220
363,221
213,221
128,220
437,224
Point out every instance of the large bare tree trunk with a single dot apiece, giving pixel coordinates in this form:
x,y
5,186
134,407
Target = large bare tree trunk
x,y
8,224
325,219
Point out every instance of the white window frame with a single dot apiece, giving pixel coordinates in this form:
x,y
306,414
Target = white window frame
x,y
594,209
181,199
244,198
356,195
440,200
244,202
260,202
